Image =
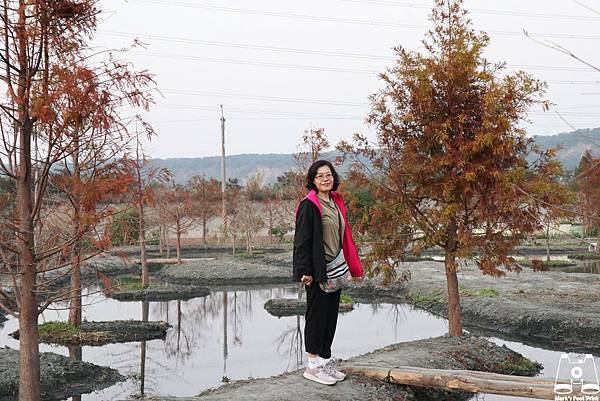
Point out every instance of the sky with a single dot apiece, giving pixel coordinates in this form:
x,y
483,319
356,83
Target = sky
x,y
282,67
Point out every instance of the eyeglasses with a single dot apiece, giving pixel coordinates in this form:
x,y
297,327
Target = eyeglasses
x,y
320,177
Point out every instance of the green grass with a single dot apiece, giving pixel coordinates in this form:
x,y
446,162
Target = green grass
x,y
520,366
57,327
132,284
346,299
484,292
585,256
256,253
552,263
426,298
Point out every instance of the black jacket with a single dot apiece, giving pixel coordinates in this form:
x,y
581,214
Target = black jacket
x,y
309,250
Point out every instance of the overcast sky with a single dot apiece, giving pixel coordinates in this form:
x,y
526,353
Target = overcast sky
x,y
280,67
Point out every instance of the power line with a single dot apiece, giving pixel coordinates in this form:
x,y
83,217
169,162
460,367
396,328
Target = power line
x,y
173,39
316,18
260,111
300,114
313,101
306,67
265,98
509,13
254,63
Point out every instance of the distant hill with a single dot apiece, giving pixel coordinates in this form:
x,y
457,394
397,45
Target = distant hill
x,y
237,166
274,164
573,145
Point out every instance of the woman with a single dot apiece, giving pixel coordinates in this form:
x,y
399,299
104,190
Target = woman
x,y
322,235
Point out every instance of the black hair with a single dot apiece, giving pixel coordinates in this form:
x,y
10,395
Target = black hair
x,y
312,173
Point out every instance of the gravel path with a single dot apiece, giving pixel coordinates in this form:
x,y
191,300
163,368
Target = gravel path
x,y
441,352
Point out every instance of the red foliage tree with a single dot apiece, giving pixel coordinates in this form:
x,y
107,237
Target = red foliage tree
x,y
59,100
588,183
450,166
207,201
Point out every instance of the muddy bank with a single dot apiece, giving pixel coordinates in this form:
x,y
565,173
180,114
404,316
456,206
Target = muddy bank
x,y
157,294
441,352
62,377
295,307
227,271
212,251
555,310
108,264
99,333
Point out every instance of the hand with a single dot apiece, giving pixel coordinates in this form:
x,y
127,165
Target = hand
x,y
306,280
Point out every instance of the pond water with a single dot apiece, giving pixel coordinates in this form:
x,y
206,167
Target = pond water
x,y
580,266
229,336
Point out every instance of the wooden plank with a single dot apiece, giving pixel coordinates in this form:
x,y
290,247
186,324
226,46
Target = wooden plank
x,y
466,380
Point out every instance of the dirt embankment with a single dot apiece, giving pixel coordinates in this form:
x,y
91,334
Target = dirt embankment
x,y
441,352
100,333
163,293
226,270
295,307
550,309
62,377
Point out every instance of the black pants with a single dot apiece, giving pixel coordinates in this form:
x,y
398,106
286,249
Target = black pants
x,y
321,319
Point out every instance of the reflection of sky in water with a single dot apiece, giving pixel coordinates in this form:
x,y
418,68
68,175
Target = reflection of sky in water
x,y
194,356
258,344
550,361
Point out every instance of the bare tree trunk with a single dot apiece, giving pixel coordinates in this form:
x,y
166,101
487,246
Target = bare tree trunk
x,y
161,237
178,233
234,236
145,275
598,239
75,293
75,302
29,359
454,316
270,222
204,221
548,241
29,355
168,245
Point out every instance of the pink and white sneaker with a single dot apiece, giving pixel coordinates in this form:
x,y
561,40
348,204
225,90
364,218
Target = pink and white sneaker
x,y
333,372
319,375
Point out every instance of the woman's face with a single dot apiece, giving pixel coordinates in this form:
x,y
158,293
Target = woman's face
x,y
324,179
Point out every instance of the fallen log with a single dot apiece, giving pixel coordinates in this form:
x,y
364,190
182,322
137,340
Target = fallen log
x,y
465,380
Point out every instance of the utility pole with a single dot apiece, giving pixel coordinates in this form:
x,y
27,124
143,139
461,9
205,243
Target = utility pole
x,y
223,176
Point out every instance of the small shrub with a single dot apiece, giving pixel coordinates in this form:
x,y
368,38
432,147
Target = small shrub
x,y
346,299
56,327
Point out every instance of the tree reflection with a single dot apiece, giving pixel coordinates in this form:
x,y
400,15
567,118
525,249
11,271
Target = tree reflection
x,y
145,310
291,345
76,353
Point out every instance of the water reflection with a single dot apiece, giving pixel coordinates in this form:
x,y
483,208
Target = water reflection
x,y
224,377
145,313
75,353
227,334
290,345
